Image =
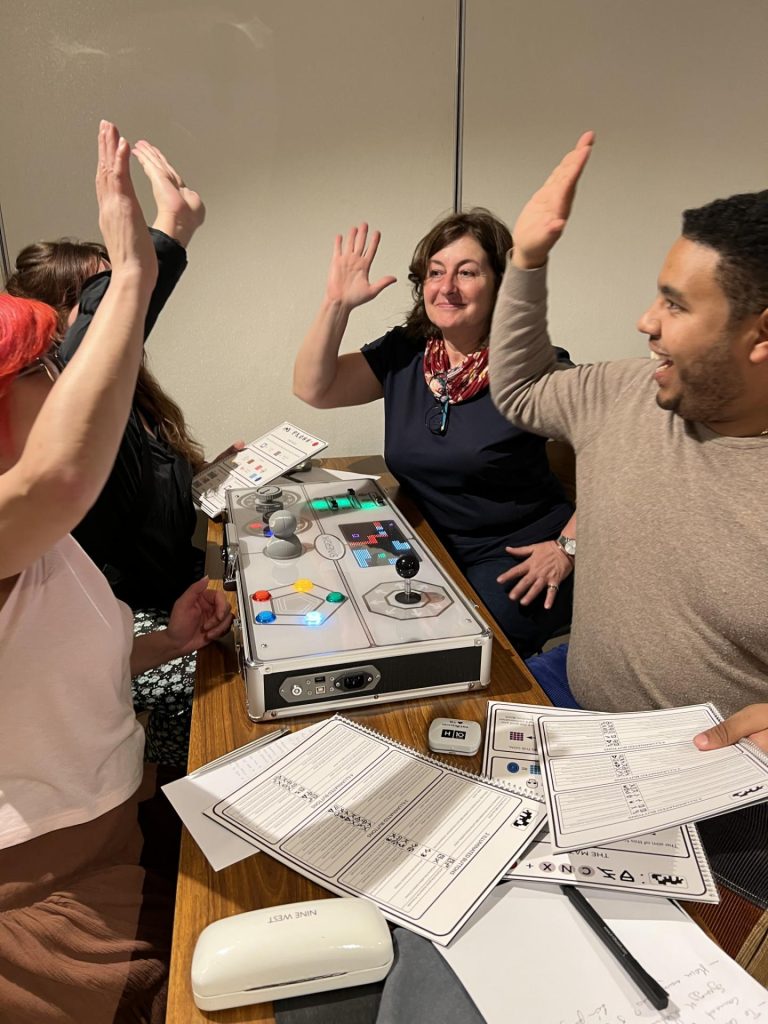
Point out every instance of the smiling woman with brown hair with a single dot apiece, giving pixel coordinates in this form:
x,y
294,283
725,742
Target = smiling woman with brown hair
x,y
484,486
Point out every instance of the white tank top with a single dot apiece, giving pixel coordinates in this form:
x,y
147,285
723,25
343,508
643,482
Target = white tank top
x,y
70,745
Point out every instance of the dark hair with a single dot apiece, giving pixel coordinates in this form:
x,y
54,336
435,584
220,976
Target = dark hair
x,y
55,272
491,234
737,229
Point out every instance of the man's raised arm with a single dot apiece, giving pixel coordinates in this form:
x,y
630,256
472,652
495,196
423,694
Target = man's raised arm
x,y
520,351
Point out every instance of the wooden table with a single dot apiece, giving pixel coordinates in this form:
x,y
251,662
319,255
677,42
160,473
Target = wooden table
x,y
220,723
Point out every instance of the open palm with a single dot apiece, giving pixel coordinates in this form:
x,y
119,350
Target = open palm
x,y
543,218
348,277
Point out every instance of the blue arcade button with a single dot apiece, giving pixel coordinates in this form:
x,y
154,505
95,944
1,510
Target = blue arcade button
x,y
265,617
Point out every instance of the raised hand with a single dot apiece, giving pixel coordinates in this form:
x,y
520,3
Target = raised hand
x,y
348,281
121,221
180,210
543,218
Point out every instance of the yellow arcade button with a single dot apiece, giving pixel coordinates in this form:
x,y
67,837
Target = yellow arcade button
x,y
303,586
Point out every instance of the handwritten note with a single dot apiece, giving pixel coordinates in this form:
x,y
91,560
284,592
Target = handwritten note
x,y
526,948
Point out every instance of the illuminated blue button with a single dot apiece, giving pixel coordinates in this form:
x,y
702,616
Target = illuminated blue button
x,y
267,532
265,617
313,618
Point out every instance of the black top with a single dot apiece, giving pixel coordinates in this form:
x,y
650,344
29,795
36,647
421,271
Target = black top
x,y
139,531
483,484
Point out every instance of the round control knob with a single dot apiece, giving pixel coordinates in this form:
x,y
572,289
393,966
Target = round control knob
x,y
269,492
282,524
407,566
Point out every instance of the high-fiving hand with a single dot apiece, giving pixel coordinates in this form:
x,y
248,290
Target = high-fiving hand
x,y
180,210
348,281
121,221
543,218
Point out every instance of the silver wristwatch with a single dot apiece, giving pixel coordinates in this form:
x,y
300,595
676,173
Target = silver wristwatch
x,y
568,544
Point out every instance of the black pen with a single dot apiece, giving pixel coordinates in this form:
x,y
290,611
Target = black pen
x,y
650,988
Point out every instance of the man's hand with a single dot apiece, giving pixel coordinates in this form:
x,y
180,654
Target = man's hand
x,y
544,216
180,211
751,723
544,567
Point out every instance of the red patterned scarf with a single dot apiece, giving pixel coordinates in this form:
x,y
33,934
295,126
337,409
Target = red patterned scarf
x,y
458,382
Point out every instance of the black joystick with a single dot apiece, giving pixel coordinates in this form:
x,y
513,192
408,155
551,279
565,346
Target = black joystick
x,y
407,566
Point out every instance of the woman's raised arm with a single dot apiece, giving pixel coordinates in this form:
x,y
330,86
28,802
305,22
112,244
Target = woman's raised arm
x,y
59,446
321,377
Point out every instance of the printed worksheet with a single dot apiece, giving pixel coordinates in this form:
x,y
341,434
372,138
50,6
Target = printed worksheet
x,y
364,816
671,862
264,459
611,777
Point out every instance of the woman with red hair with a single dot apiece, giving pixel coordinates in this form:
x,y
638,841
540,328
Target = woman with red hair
x,y
78,940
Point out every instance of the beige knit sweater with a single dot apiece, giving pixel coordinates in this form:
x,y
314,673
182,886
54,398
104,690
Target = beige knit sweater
x,y
671,592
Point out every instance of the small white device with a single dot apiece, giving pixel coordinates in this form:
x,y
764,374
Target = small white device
x,y
290,950
454,736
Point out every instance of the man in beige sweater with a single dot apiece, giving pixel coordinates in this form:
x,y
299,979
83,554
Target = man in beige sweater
x,y
671,588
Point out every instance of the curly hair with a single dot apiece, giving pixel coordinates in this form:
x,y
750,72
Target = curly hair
x,y
737,229
55,272
488,231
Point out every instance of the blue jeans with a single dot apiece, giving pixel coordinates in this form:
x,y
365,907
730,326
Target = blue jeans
x,y
550,671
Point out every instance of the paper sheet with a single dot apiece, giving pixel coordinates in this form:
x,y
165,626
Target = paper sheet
x,y
528,957
364,816
191,796
610,777
268,457
668,862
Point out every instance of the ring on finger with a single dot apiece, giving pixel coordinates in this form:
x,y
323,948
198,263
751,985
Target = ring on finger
x,y
552,586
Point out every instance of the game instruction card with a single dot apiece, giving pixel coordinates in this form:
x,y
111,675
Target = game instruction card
x,y
670,862
611,777
261,461
362,815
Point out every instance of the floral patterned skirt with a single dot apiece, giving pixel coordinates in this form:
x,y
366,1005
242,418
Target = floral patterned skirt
x,y
166,693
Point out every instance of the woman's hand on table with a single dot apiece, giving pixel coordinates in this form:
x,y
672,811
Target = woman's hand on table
x,y
751,723
543,567
348,276
543,218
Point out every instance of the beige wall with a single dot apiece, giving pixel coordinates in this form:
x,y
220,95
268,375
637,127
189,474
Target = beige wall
x,y
296,119
677,91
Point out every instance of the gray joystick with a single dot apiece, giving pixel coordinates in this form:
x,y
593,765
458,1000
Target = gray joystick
x,y
407,566
284,543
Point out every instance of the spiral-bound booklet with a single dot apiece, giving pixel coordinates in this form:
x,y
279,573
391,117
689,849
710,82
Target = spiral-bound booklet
x,y
365,816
